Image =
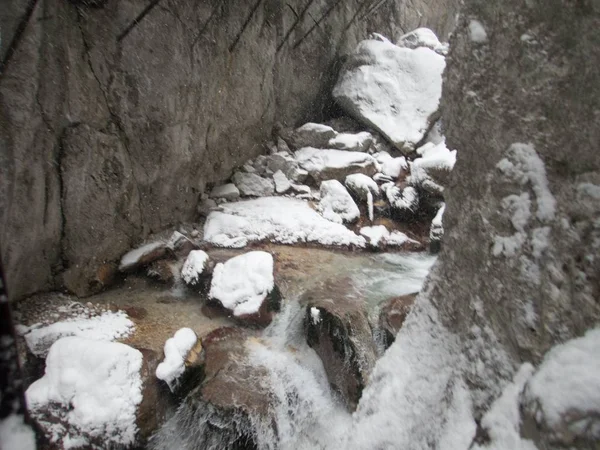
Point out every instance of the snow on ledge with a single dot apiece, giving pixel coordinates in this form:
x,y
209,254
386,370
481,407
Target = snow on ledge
x,y
276,219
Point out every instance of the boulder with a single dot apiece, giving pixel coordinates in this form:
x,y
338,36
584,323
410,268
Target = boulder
x,y
253,185
282,146
392,315
245,286
338,329
195,270
142,256
422,37
359,142
206,206
282,184
390,166
182,361
163,271
312,135
336,203
227,191
334,164
361,185
431,172
402,96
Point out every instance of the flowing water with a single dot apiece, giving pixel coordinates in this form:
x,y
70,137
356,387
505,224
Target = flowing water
x,y
305,413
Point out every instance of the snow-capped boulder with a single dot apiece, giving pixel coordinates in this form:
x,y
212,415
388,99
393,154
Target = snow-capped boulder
x,y
378,236
431,171
436,232
89,393
365,188
142,256
336,203
297,174
422,37
334,164
312,135
195,268
392,89
354,142
227,191
282,184
390,166
182,354
245,286
404,202
253,185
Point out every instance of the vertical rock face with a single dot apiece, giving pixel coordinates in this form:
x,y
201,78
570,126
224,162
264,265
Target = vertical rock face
x,y
519,268
117,113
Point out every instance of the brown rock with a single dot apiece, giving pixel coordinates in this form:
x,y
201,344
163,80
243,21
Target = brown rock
x,y
143,256
163,271
392,315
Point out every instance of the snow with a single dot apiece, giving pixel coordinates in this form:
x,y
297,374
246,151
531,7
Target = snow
x,y
243,282
567,384
421,37
15,434
359,142
393,89
105,327
364,187
437,229
95,386
227,191
318,162
336,203
277,219
392,167
282,184
379,234
132,257
251,184
315,315
194,266
433,158
503,420
176,351
405,199
477,32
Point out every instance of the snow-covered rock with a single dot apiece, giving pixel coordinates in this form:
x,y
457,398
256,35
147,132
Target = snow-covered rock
x,y
281,161
300,188
282,184
253,185
393,89
90,389
365,188
404,201
334,164
105,327
227,191
142,256
354,142
336,203
194,266
422,37
297,174
242,283
313,135
431,171
390,166
277,219
379,236
436,232
176,351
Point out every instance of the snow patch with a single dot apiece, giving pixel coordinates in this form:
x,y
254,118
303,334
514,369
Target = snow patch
x,y
176,351
94,386
193,267
315,315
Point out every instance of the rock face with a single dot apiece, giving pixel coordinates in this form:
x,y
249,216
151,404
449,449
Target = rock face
x,y
532,177
117,115
396,90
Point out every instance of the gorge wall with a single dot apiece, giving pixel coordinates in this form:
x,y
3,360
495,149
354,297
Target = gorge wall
x,y
519,269
115,114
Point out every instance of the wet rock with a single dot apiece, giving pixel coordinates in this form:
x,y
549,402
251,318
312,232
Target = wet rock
x,y
403,100
392,315
142,256
181,245
163,271
341,337
227,191
252,185
312,135
334,164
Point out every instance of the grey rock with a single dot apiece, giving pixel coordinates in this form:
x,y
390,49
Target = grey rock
x,y
282,184
313,135
253,185
227,191
326,164
282,146
206,206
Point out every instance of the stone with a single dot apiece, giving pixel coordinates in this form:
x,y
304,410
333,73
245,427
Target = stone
x,y
312,135
404,202
422,37
142,256
436,232
392,315
359,142
195,269
206,206
297,175
227,191
163,271
402,101
393,168
252,185
334,164
341,337
282,184
282,146
336,203
362,185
